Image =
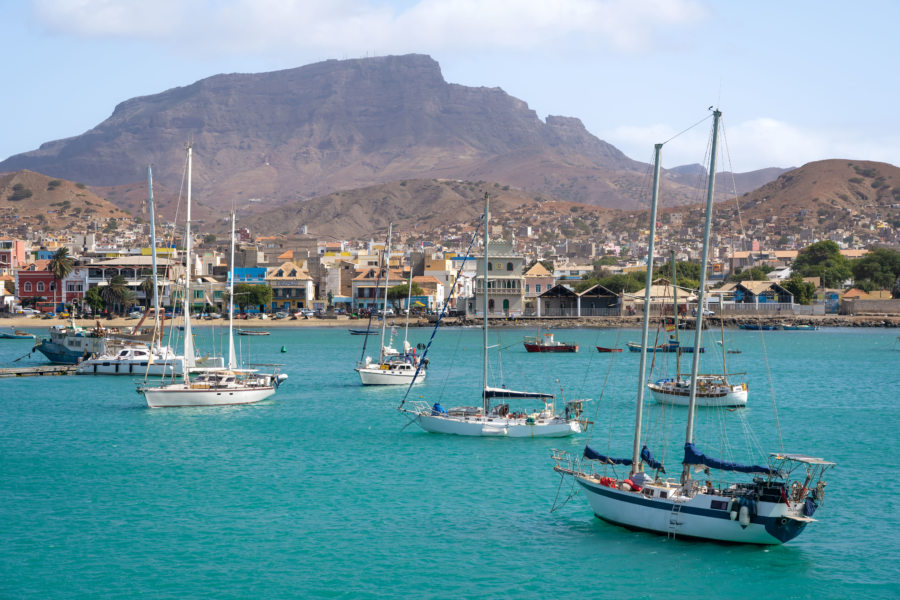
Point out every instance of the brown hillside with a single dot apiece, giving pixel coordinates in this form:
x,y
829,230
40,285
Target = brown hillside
x,y
29,198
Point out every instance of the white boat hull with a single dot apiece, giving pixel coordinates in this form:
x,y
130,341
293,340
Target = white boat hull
x,y
496,427
179,394
376,376
693,517
731,396
129,367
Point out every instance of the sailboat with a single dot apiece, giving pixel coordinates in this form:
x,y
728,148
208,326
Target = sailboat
x,y
151,359
210,386
494,418
392,367
773,507
713,389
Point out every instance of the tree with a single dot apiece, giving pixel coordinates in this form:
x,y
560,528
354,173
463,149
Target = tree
x,y
803,291
209,238
116,292
260,295
751,274
402,291
147,287
823,259
61,265
93,299
880,266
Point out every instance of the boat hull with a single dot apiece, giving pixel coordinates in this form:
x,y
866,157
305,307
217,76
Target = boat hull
x,y
693,518
129,367
554,348
602,349
732,396
377,376
497,427
181,395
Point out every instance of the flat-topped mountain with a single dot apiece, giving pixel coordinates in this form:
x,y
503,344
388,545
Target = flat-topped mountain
x,y
336,125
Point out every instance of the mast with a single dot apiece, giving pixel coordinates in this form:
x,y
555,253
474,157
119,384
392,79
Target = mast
x,y
675,312
189,359
408,307
387,276
645,333
484,308
232,362
695,365
156,328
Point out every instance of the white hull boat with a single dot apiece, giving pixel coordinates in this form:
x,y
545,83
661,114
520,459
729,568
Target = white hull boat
x,y
711,391
197,394
389,373
544,425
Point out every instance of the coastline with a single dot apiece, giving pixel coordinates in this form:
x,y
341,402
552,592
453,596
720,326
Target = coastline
x,y
888,321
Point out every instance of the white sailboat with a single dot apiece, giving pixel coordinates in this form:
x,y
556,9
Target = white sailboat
x,y
215,386
771,508
713,389
153,359
494,418
392,367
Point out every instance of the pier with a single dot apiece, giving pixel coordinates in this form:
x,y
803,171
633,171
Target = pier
x,y
38,371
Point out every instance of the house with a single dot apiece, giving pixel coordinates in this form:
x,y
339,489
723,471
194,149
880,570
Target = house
x,y
506,283
367,288
559,301
292,287
599,301
760,292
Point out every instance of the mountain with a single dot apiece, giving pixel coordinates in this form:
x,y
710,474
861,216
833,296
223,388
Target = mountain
x,y
306,132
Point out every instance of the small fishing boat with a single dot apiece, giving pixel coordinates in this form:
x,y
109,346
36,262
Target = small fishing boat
x,y
252,332
602,349
757,327
792,327
363,332
546,343
16,335
671,346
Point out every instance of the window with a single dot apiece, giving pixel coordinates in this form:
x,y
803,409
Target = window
x,y
27,286
40,286
719,504
527,288
491,305
509,266
537,288
490,267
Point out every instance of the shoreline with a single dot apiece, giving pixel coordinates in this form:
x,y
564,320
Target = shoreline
x,y
884,321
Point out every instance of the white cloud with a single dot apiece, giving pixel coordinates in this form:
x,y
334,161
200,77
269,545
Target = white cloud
x,y
358,26
754,144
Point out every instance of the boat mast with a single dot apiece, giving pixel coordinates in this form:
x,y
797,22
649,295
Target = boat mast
x,y
408,307
675,312
645,333
157,330
232,362
189,359
484,308
387,276
704,262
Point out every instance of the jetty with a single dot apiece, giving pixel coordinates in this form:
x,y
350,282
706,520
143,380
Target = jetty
x,y
38,371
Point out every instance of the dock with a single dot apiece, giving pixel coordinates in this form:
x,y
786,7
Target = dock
x,y
38,371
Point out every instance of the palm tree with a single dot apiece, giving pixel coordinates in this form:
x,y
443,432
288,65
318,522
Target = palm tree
x,y
116,291
147,287
61,265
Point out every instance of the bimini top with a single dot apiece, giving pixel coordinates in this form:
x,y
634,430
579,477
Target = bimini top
x,y
801,458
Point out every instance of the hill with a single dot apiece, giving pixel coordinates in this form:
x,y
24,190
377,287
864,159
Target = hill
x,y
306,132
51,204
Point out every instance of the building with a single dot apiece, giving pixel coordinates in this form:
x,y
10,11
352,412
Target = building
x,y
292,287
506,282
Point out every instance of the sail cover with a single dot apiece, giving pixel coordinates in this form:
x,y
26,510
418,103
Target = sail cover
x,y
692,456
492,392
592,454
647,457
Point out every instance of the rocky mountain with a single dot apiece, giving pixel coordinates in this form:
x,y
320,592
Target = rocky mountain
x,y
273,138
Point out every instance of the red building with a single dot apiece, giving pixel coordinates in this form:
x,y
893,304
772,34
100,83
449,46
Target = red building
x,y
37,281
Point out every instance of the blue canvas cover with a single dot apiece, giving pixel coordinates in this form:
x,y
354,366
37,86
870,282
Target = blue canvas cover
x,y
592,454
692,456
647,457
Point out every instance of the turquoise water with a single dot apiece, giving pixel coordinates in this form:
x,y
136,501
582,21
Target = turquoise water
x,y
321,492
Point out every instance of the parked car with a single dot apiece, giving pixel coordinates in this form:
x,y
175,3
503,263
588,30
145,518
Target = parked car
x,y
281,315
28,312
706,312
306,312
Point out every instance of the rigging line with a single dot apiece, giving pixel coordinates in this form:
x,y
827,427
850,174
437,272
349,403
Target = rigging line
x,y
444,310
707,117
737,203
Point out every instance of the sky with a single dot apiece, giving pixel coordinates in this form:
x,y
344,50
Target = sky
x,y
797,81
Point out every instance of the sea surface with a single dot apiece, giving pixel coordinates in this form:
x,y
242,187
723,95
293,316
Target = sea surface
x,y
323,491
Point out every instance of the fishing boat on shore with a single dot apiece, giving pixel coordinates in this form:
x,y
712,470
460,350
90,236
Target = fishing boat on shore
x,y
772,506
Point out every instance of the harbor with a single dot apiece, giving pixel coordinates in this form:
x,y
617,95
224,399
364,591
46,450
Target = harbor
x,y
326,469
